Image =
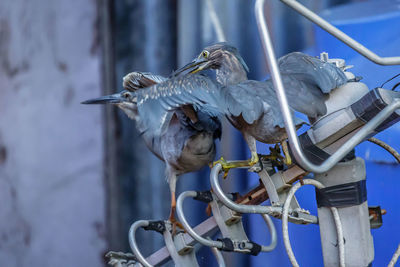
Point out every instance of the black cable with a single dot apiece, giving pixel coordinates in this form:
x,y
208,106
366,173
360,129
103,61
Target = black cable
x,y
394,87
389,80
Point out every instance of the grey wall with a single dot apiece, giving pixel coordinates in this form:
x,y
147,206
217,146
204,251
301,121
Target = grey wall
x,y
51,147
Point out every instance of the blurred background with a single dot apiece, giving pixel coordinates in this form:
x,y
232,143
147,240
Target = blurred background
x,y
73,178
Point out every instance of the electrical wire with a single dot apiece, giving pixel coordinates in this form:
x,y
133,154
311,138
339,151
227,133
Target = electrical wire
x,y
285,231
390,80
385,146
394,87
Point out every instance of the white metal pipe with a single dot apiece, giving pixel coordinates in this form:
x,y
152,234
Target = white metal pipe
x,y
218,256
133,244
188,228
285,231
290,128
272,230
341,35
232,205
215,21
395,257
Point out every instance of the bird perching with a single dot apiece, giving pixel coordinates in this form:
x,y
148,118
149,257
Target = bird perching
x,y
180,136
308,81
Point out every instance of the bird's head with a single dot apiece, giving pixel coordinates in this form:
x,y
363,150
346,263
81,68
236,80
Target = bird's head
x,y
217,56
125,100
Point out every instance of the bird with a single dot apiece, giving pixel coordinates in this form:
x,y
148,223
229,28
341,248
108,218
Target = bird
x,y
250,106
186,141
307,81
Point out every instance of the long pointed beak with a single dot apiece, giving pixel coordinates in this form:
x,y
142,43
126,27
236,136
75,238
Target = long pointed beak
x,y
108,99
192,66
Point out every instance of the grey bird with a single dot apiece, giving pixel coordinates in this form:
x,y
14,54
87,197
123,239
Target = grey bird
x,y
184,139
250,106
307,81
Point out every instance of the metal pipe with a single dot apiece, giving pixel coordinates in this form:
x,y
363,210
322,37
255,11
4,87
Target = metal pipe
x,y
285,231
232,205
133,244
218,256
395,257
272,230
215,22
290,128
188,228
341,35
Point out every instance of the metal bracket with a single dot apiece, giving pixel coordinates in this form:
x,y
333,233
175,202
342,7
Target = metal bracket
x,y
181,253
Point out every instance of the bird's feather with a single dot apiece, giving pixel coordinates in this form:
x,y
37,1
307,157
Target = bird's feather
x,y
137,80
308,80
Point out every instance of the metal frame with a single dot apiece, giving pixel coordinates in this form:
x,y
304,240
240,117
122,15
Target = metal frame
x,y
341,35
280,91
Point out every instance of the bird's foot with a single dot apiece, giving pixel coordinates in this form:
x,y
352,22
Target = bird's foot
x,y
275,156
174,224
227,165
208,210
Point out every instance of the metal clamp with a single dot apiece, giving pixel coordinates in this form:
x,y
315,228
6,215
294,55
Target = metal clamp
x,y
181,253
234,238
290,128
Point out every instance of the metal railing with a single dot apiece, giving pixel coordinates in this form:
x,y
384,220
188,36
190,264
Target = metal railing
x,y
280,91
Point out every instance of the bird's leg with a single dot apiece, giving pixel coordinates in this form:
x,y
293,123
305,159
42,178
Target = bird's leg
x,y
285,148
172,186
171,217
227,165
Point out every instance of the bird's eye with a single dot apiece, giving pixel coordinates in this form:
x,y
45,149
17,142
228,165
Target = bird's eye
x,y
126,95
205,54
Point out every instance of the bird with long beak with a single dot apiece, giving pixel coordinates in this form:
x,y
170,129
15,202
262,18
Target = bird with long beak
x,y
186,141
307,81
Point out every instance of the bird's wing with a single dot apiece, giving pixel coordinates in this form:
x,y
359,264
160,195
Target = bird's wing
x,y
137,80
253,99
307,81
313,70
244,99
155,102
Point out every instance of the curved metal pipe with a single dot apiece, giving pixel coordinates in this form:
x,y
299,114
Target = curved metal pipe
x,y
285,231
272,230
290,128
232,205
133,244
188,228
218,256
341,35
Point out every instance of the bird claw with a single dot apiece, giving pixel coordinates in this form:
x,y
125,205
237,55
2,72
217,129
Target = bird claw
x,y
174,224
225,166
